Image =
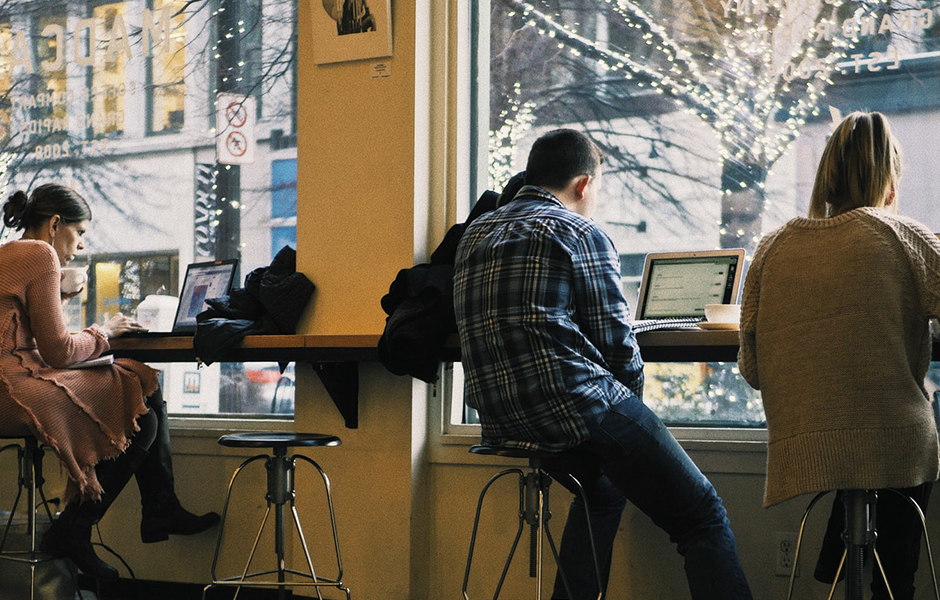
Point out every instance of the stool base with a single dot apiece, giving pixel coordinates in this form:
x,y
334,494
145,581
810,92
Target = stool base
x,y
30,478
860,534
280,476
534,488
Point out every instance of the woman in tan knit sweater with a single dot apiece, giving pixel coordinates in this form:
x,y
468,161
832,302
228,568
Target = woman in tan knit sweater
x,y
835,333
104,423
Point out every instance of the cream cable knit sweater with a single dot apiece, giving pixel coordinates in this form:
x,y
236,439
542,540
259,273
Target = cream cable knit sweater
x,y
835,334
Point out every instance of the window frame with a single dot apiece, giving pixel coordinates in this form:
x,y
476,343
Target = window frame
x,y
212,426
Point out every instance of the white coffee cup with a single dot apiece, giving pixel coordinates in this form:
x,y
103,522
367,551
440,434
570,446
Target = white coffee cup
x,y
723,313
73,279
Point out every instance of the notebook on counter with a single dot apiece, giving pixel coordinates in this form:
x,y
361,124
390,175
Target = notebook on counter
x,y
101,361
676,286
203,280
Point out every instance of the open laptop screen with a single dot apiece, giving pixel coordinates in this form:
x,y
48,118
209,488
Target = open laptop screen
x,y
680,284
202,281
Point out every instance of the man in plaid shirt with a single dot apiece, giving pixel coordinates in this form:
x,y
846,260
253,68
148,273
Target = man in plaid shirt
x,y
552,364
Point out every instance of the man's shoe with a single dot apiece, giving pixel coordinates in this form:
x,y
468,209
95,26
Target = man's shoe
x,y
60,541
174,520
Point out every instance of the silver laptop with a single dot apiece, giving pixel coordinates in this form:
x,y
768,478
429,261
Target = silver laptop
x,y
203,281
676,286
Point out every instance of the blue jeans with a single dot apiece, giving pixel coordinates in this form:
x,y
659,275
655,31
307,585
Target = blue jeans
x,y
631,456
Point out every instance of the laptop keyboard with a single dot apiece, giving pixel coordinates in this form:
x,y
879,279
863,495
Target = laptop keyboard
x,y
154,334
642,325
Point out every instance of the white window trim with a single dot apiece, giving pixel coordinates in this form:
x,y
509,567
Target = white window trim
x,y
212,425
199,436
739,450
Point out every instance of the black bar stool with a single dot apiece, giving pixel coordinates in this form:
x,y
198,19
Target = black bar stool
x,y
29,478
280,490
534,510
860,535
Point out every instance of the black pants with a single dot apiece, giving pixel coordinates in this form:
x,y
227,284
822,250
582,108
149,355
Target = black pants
x,y
898,544
155,474
148,459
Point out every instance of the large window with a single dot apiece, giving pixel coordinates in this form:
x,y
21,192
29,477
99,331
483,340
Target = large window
x,y
85,85
712,118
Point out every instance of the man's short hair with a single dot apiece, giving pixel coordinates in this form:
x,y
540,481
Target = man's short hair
x,y
559,156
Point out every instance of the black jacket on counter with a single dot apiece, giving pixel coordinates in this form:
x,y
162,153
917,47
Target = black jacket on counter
x,y
420,307
272,301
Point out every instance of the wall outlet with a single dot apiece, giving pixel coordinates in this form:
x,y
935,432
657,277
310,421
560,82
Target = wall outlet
x,y
785,554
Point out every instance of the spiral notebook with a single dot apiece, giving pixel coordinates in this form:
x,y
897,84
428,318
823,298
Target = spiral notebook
x,y
676,286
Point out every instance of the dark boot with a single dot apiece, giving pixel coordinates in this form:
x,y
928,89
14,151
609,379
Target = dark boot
x,y
70,536
155,475
162,514
165,517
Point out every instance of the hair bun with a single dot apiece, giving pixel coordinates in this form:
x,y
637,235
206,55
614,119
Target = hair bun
x,y
15,208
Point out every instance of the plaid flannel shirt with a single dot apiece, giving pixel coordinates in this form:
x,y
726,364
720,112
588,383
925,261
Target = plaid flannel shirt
x,y
544,327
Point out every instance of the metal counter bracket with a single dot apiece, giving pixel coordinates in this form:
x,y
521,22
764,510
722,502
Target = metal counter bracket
x,y
341,380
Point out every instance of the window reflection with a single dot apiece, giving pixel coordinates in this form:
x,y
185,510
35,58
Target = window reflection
x,y
108,76
120,282
167,69
50,81
6,81
711,394
228,389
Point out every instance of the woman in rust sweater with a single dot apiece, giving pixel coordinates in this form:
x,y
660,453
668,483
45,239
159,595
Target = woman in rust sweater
x,y
105,423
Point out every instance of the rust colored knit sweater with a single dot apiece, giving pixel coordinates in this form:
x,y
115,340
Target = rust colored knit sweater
x,y
835,334
84,415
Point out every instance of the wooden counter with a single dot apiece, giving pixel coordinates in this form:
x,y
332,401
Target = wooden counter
x,y
276,348
657,346
336,358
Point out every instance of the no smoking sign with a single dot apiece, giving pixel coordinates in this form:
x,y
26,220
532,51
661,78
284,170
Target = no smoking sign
x,y
235,129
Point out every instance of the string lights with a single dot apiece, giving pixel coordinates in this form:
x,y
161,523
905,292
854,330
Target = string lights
x,y
769,65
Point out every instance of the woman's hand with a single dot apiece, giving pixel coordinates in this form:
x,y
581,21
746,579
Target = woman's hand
x,y
120,324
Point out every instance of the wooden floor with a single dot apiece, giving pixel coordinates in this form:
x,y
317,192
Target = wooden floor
x,y
129,589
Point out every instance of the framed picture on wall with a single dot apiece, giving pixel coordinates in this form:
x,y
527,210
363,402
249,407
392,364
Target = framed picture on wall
x,y
351,30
